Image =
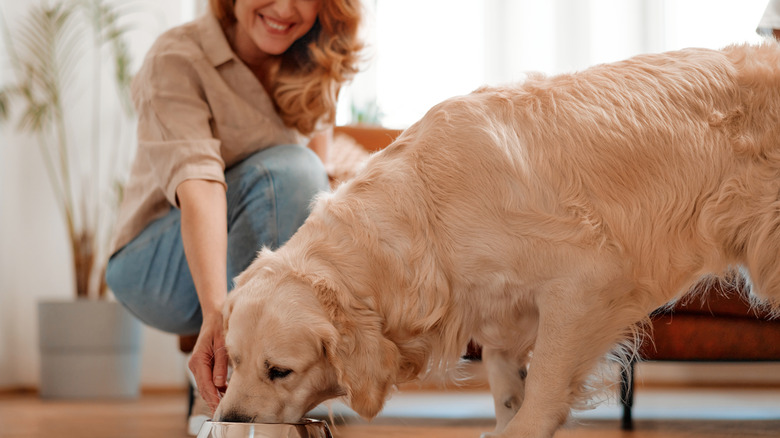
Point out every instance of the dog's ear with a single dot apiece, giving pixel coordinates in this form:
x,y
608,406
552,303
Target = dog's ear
x,y
366,361
242,284
369,364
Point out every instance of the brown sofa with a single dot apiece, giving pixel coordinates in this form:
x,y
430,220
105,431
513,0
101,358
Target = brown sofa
x,y
372,138
714,324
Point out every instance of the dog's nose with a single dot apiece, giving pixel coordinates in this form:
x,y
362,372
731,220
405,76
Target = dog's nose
x,y
235,417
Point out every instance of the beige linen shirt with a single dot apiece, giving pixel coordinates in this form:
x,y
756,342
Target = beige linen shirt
x,y
201,110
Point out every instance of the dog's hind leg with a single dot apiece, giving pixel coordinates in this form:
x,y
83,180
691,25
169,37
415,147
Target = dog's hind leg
x,y
577,327
506,372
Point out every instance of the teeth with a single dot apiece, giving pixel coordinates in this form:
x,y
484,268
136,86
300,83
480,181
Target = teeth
x,y
275,25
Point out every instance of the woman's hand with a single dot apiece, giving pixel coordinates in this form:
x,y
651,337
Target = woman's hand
x,y
209,360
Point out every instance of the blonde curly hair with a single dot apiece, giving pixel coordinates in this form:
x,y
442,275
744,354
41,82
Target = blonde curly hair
x,y
306,79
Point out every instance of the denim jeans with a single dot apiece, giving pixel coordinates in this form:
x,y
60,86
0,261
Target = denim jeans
x,y
268,198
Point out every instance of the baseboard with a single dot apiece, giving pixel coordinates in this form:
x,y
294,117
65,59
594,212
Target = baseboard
x,y
709,374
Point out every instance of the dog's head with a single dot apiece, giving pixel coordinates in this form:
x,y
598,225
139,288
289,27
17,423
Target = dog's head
x,y
293,345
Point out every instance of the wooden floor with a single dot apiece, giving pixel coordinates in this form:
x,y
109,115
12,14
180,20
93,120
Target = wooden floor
x,y
162,415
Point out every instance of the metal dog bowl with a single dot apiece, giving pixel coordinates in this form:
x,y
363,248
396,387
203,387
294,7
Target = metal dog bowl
x,y
305,429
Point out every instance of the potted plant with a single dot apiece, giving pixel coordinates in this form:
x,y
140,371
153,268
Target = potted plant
x,y
63,54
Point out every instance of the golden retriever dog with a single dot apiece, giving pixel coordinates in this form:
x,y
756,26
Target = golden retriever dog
x,y
543,220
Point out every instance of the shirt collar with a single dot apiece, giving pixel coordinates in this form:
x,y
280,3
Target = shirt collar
x,y
215,43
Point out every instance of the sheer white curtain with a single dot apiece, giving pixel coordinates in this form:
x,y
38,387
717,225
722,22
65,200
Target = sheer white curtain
x,y
426,51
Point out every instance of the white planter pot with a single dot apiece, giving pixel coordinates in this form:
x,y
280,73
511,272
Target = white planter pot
x,y
89,349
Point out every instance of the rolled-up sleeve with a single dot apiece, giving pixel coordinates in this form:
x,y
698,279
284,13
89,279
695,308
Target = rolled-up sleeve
x,y
175,137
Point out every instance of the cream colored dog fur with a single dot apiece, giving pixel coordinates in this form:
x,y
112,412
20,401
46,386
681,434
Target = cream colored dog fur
x,y
551,216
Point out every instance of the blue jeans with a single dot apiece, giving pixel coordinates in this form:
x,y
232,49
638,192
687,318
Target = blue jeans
x,y
268,198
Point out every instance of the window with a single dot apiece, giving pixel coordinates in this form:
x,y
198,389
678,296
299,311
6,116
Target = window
x,y
423,52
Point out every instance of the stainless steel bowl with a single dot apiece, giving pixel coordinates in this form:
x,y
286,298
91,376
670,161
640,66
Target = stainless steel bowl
x,y
307,428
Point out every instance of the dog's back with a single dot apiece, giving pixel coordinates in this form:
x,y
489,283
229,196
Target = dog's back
x,y
661,160
634,178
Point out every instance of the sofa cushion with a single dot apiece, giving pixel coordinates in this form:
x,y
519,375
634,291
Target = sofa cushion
x,y
717,299
707,338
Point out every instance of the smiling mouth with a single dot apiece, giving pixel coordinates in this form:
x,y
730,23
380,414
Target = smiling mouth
x,y
276,25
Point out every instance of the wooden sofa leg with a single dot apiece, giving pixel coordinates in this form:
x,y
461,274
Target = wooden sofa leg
x,y
627,396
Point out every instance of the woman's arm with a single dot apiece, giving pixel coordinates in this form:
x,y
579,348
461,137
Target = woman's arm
x,y
204,235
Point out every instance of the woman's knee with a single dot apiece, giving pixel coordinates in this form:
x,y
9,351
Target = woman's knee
x,y
278,185
155,304
292,167
298,178
115,281
178,319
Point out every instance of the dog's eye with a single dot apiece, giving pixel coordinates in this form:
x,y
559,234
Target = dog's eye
x,y
278,373
523,373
